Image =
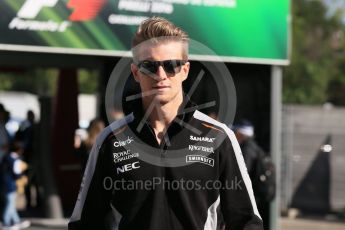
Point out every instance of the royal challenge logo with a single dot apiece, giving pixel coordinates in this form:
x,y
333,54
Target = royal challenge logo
x,y
124,155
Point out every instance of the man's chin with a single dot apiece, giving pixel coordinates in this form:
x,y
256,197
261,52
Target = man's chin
x,y
161,99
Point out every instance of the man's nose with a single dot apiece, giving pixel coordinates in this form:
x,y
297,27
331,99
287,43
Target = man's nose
x,y
160,74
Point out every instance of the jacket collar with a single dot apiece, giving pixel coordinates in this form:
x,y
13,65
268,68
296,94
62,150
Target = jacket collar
x,y
184,112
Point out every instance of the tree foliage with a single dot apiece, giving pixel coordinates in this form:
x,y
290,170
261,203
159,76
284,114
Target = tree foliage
x,y
317,70
44,81
36,81
88,81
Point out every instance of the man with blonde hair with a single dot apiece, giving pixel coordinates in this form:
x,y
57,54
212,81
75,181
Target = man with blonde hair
x,y
165,165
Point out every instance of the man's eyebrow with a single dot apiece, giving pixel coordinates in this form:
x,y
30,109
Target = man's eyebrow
x,y
147,59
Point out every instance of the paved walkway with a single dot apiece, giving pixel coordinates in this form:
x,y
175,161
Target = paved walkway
x,y
285,224
310,224
45,223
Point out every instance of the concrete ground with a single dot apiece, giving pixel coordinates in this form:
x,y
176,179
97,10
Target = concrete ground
x,y
44,223
45,228
284,224
310,224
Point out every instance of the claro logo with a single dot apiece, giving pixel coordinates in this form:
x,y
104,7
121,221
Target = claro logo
x,y
123,143
83,10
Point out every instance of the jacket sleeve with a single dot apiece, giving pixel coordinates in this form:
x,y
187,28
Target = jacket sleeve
x,y
94,199
237,198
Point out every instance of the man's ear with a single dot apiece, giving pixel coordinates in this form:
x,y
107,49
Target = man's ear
x,y
135,72
185,70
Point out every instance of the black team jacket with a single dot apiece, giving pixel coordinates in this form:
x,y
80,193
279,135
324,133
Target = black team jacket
x,y
132,182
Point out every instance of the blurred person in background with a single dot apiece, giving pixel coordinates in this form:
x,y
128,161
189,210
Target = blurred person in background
x,y
26,135
83,147
4,147
260,168
244,131
13,180
117,114
4,135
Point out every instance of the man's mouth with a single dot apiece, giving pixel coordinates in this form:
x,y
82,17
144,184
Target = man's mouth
x,y
161,87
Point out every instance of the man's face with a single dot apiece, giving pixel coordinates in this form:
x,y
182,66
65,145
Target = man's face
x,y
161,86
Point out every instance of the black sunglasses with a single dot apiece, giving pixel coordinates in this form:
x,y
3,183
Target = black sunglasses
x,y
169,66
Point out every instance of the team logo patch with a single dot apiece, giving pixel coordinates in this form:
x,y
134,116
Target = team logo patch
x,y
202,139
128,167
124,155
201,148
200,159
123,143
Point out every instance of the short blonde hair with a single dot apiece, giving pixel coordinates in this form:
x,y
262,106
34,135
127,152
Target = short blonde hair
x,y
158,29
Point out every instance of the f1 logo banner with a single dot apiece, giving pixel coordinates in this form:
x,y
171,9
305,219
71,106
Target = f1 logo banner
x,y
85,9
31,8
105,27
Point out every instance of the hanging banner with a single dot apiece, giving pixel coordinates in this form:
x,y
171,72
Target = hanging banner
x,y
248,31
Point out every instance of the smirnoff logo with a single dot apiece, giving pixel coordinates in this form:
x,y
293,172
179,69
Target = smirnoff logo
x,y
200,159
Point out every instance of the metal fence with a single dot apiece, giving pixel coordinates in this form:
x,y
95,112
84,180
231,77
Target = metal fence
x,y
304,130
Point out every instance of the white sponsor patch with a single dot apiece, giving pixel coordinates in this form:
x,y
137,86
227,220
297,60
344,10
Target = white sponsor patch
x,y
200,159
124,155
123,143
202,139
201,148
128,167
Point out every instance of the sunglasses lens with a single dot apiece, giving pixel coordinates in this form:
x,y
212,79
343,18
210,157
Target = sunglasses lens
x,y
149,66
169,66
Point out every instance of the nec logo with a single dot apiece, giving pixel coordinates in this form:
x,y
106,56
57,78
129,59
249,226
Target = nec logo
x,y
83,9
128,167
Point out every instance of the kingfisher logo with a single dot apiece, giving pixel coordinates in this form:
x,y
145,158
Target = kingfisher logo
x,y
83,10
